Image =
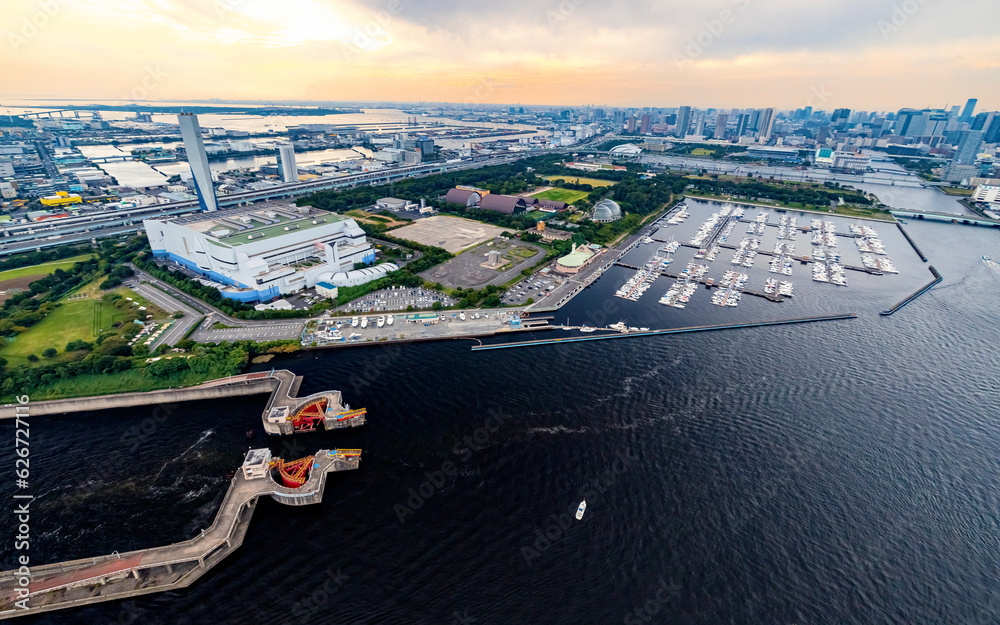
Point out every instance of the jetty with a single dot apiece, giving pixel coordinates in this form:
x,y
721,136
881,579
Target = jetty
x,y
635,334
117,576
921,291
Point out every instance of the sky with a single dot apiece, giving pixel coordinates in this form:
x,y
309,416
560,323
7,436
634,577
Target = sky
x,y
860,54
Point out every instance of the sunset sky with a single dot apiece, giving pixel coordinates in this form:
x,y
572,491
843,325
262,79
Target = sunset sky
x,y
862,54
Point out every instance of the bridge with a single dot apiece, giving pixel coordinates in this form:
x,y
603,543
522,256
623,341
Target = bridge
x,y
108,159
946,217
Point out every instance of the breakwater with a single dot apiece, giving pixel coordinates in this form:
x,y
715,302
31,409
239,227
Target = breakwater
x,y
906,235
235,386
924,289
630,334
83,582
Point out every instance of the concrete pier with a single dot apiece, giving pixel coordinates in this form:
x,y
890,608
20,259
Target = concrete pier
x,y
923,289
630,334
121,576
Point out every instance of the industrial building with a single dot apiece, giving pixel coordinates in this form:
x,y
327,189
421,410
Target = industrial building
x,y
256,253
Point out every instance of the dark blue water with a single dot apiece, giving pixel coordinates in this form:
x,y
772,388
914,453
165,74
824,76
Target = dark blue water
x,y
840,472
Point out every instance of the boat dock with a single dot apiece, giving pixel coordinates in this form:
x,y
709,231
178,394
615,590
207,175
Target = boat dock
x,y
924,289
631,334
710,285
117,576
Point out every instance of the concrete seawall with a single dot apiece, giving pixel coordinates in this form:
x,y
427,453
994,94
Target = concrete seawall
x,y
249,384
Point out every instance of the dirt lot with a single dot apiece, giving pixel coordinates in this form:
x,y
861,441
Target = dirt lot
x,y
450,233
14,285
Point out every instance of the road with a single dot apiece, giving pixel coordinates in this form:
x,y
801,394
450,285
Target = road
x,y
171,305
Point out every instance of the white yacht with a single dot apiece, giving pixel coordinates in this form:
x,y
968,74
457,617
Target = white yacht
x,y
581,509
381,321
389,320
354,322
364,322
461,316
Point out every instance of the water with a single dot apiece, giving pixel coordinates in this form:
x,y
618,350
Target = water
x,y
841,472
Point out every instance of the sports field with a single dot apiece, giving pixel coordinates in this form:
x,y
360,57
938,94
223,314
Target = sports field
x,y
594,182
562,195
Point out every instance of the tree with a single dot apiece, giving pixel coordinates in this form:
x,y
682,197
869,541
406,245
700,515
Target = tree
x,y
78,345
178,314
32,358
50,352
531,300
436,306
409,308
140,351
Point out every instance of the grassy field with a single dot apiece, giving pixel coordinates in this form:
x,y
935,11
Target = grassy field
x,y
702,152
131,381
957,191
78,318
44,269
594,182
562,195
73,320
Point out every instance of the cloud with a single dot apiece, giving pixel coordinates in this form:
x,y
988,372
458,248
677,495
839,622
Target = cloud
x,y
630,52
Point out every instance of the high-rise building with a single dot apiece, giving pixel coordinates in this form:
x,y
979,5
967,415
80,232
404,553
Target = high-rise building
x,y
765,125
683,121
992,134
699,124
286,163
198,161
968,147
970,108
742,125
630,128
840,117
982,121
647,123
720,125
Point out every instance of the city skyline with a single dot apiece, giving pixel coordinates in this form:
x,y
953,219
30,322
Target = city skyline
x,y
723,54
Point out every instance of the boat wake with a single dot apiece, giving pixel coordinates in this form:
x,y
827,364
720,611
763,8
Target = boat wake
x,y
204,436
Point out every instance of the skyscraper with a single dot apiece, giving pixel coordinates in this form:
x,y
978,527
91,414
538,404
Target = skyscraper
x,y
840,117
992,134
968,147
683,121
646,124
198,161
765,125
720,125
742,125
286,163
631,126
970,108
699,124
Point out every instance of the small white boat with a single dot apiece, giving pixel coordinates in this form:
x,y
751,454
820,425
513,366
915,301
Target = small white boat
x,y
580,510
461,316
381,321
364,322
389,319
587,329
354,322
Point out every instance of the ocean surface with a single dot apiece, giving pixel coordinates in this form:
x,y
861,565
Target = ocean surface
x,y
829,473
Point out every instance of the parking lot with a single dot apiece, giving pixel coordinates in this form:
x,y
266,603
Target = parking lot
x,y
536,287
290,330
397,299
467,270
412,327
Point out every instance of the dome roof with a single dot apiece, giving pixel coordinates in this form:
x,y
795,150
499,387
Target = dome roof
x,y
629,149
607,210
